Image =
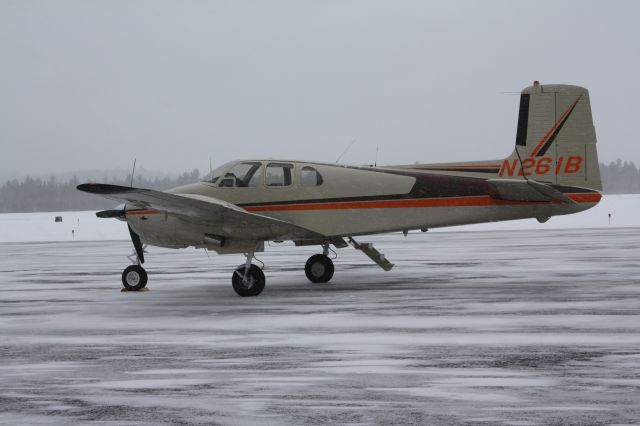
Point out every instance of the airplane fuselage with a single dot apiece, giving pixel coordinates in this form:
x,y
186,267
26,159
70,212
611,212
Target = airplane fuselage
x,y
348,201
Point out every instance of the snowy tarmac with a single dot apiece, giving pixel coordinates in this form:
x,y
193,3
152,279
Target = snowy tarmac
x,y
499,327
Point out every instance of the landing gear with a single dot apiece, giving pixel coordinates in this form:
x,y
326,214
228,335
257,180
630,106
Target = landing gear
x,y
248,279
319,268
248,283
134,278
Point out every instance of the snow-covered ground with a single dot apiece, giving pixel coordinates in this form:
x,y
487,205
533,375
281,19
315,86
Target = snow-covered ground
x,y
529,326
86,226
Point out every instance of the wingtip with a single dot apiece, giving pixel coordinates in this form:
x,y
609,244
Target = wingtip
x,y
103,188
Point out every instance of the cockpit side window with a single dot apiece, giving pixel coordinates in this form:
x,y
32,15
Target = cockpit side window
x,y
256,178
310,177
279,174
242,175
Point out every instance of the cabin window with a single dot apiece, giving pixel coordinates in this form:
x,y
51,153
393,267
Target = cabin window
x,y
243,175
256,178
310,177
279,174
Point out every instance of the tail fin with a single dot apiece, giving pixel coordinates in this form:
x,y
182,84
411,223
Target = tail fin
x,y
555,142
555,138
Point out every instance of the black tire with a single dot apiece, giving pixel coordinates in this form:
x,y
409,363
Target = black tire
x,y
255,281
319,269
134,278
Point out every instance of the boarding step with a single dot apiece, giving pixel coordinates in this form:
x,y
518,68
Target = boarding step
x,y
372,253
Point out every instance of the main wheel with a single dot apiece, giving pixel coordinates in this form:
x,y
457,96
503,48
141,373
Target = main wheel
x,y
254,283
134,278
319,269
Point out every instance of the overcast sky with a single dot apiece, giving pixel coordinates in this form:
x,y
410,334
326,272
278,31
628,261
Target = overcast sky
x,y
93,84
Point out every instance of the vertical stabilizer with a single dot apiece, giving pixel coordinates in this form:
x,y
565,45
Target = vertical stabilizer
x,y
555,138
555,142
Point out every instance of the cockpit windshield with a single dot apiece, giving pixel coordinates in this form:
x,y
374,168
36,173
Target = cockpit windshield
x,y
215,175
241,175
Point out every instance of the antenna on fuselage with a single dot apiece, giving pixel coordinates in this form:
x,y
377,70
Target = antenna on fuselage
x,y
133,171
375,164
345,150
210,167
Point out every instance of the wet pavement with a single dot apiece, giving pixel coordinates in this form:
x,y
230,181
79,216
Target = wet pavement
x,y
501,327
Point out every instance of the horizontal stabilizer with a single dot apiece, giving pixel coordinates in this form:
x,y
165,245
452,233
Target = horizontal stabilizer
x,y
525,190
550,192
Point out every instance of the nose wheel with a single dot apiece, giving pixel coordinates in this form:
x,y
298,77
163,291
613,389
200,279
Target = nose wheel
x,y
319,268
134,278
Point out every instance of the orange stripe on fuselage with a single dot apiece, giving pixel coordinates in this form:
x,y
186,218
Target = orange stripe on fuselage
x,y
588,197
481,200
472,166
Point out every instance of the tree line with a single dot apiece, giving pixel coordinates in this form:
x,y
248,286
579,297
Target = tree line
x,y
40,195
620,177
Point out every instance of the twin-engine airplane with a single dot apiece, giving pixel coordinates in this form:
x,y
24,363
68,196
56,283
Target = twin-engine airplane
x,y
552,171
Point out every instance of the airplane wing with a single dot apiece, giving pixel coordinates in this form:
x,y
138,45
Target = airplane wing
x,y
526,190
228,219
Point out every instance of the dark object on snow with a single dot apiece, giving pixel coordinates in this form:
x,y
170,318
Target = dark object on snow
x,y
58,219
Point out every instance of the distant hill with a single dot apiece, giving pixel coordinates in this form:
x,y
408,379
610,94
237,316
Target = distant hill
x,y
59,193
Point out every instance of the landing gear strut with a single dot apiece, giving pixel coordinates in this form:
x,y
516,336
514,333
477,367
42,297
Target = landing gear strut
x,y
248,279
134,277
319,268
